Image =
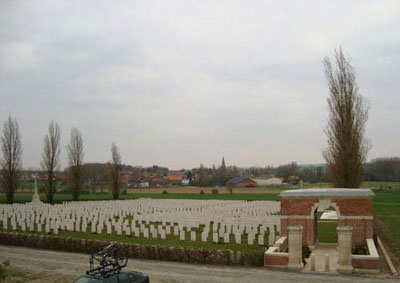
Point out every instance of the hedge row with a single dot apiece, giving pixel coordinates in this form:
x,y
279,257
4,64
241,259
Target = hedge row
x,y
154,252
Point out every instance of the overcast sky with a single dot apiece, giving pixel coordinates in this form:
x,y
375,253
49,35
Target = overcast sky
x,y
179,83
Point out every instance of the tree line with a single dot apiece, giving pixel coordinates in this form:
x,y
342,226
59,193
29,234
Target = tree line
x,y
307,173
383,169
11,161
207,177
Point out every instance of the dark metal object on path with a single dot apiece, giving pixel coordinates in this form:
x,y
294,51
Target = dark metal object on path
x,y
106,262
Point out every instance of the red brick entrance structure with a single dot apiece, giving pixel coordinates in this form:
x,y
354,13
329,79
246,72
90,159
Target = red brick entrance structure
x,y
299,228
353,206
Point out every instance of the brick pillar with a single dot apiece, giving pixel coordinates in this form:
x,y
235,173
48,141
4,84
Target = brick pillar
x,y
345,245
295,234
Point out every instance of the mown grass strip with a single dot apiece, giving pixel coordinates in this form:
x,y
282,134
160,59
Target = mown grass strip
x,y
20,198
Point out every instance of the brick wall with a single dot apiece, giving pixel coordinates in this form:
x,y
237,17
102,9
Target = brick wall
x,y
276,260
297,206
355,207
362,229
365,263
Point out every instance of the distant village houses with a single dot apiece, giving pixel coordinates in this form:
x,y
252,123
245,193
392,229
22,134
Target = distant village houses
x,y
242,182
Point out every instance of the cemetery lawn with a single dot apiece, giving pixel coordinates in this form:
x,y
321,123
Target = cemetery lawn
x,y
326,230
170,241
108,196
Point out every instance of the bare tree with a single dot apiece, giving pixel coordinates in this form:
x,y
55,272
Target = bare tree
x,y
230,186
115,171
348,112
11,163
75,162
51,159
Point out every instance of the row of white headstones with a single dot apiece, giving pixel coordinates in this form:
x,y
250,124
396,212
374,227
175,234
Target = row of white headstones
x,y
221,221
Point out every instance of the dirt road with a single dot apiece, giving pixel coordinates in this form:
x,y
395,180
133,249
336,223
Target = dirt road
x,y
49,266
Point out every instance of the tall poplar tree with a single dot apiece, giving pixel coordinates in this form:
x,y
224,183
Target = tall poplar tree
x,y
348,113
75,162
11,163
51,159
115,171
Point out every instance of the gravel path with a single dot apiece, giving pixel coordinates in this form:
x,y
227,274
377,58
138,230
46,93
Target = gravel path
x,y
50,266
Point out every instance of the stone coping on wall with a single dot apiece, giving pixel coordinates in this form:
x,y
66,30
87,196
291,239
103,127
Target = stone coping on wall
x,y
281,244
333,193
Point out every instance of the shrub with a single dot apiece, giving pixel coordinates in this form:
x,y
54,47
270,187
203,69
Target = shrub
x,y
360,250
66,190
254,258
124,191
306,252
214,192
41,189
201,192
85,190
3,267
165,192
179,254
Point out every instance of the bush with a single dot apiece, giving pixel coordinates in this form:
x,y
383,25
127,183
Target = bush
x,y
306,252
360,250
3,267
85,190
41,190
124,191
201,192
164,192
214,192
65,190
179,254
254,258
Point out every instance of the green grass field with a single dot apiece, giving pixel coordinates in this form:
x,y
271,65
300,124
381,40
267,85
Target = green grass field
x,y
326,230
387,219
108,196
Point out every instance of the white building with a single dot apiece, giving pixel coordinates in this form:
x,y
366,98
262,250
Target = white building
x,y
274,181
144,185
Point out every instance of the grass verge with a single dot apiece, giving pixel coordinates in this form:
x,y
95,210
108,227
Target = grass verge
x,y
21,198
387,221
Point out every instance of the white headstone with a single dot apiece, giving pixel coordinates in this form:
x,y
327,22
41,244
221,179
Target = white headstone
x,y
204,236
226,238
215,237
261,240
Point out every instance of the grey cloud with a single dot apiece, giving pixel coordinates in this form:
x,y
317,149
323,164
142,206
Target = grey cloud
x,y
183,82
